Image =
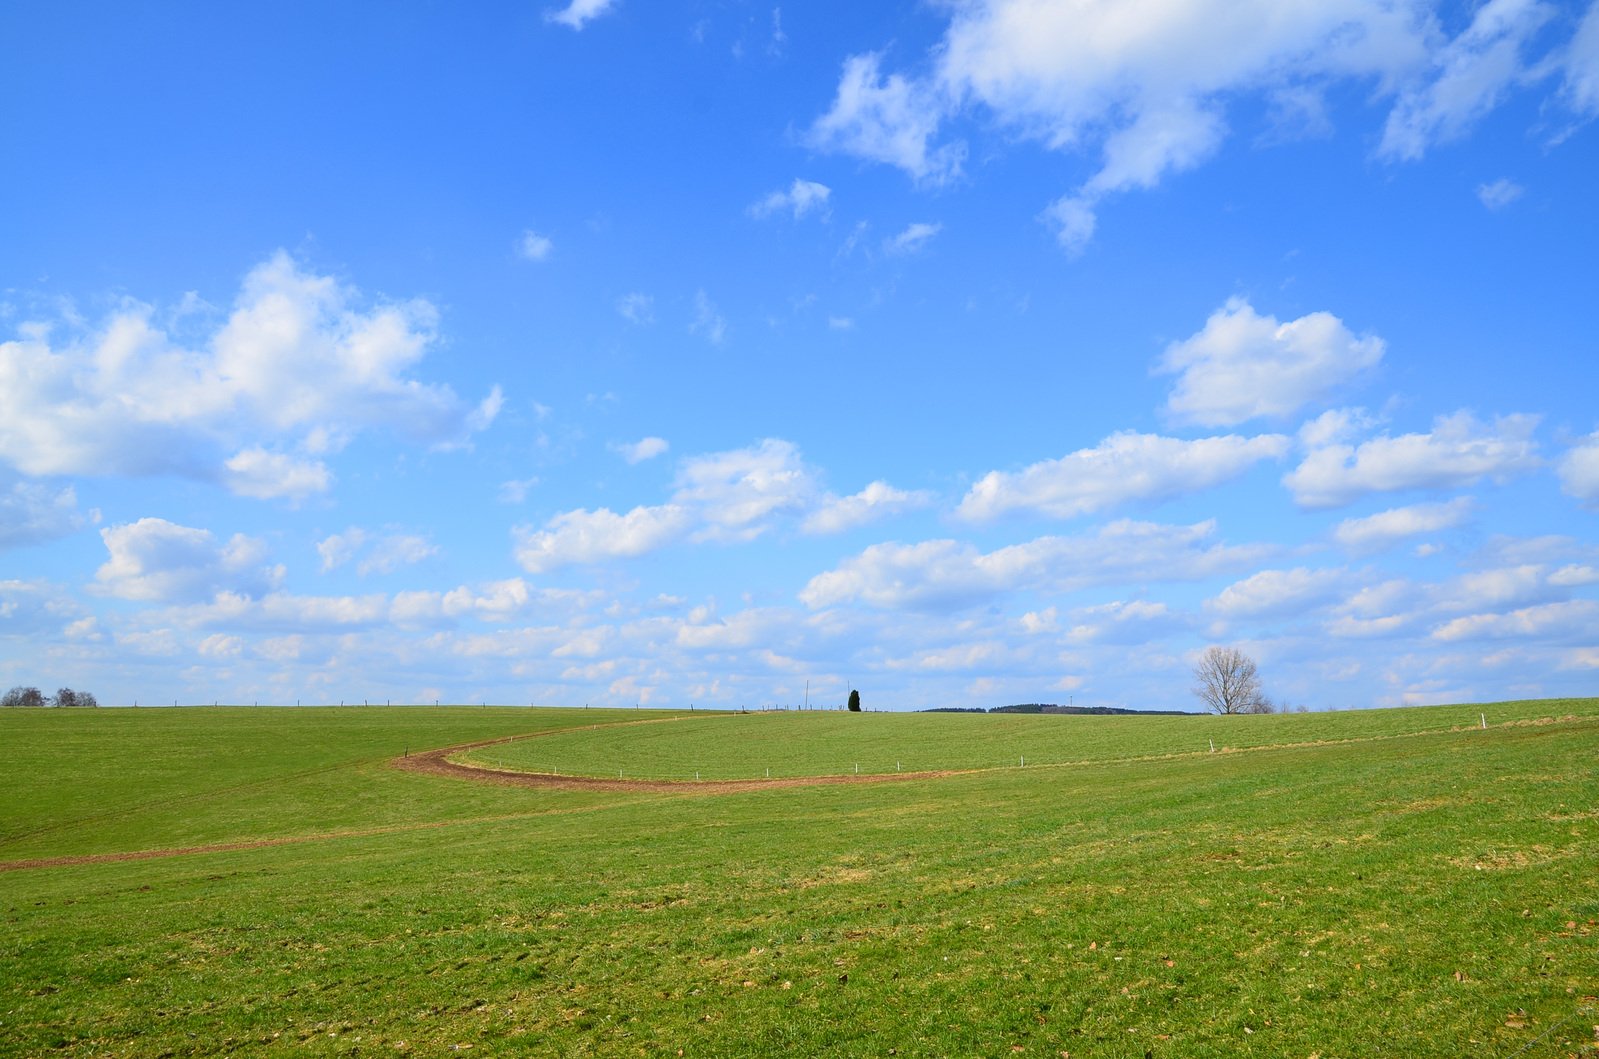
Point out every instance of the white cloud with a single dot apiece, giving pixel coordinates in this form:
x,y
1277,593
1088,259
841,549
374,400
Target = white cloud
x,y
1581,62
1386,528
1125,622
912,239
1576,619
584,536
515,490
1506,586
578,13
267,475
534,247
299,363
887,120
946,574
1472,73
636,308
1575,575
153,559
641,450
1458,451
1147,83
841,323
393,551
801,197
1242,365
1500,193
30,607
32,512
734,493
878,500
221,645
708,321
748,628
1124,467
731,496
1579,471
340,548
1276,592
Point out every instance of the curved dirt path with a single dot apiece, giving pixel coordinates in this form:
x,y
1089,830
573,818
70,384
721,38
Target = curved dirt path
x,y
438,763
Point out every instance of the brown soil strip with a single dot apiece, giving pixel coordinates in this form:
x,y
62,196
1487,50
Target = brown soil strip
x,y
438,763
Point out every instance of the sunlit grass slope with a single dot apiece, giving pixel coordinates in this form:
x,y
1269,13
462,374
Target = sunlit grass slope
x,y
1428,895
94,781
744,746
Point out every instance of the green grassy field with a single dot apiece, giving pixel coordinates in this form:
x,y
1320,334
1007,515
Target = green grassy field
x,y
745,746
1375,883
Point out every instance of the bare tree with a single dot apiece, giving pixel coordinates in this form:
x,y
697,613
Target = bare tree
x,y
1227,681
23,697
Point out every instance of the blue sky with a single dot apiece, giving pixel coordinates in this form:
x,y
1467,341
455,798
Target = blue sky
x,y
965,353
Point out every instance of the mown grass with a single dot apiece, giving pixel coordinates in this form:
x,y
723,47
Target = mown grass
x,y
1425,895
758,745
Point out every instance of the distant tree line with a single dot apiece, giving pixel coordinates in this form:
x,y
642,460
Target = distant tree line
x,y
25,698
1050,707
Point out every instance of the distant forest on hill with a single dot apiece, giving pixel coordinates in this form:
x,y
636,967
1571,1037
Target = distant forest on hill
x,y
1050,707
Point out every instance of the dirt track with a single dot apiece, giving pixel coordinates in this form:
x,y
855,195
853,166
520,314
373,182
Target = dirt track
x,y
437,763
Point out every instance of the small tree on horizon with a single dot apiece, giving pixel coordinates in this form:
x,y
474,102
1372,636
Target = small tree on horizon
x,y
854,701
1228,682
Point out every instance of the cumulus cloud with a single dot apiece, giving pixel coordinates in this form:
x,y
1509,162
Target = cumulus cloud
x,y
730,496
32,512
1123,468
1383,530
156,560
585,536
641,450
272,475
912,239
887,119
878,500
579,13
948,574
1459,450
1579,471
734,493
1276,592
1243,366
300,366
1573,620
800,198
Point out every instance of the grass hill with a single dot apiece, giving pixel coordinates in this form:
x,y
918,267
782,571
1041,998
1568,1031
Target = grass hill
x,y
261,882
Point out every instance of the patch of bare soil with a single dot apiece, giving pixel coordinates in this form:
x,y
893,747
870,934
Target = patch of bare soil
x,y
438,763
